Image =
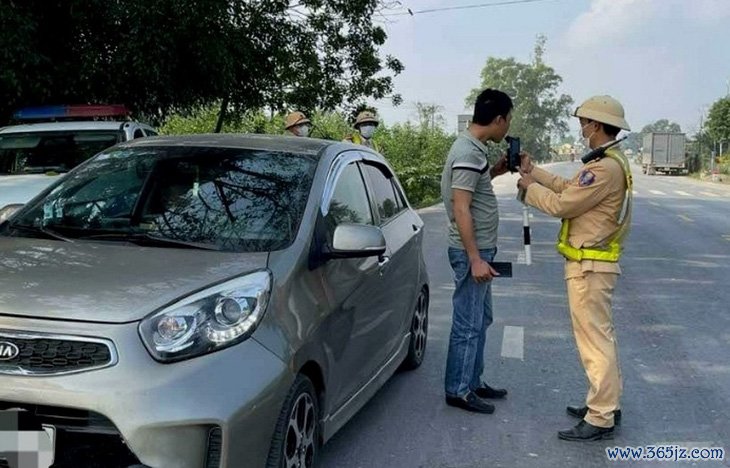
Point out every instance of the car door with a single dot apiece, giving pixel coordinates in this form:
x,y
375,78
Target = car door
x,y
355,290
401,274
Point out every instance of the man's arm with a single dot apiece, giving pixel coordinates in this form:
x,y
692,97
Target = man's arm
x,y
480,270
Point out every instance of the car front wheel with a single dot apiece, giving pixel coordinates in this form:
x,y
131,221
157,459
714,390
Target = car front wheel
x,y
296,439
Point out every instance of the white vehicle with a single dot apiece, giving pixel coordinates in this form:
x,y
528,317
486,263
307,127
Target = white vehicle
x,y
664,152
35,153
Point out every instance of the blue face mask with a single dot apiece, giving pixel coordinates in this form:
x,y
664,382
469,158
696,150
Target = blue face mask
x,y
367,131
303,131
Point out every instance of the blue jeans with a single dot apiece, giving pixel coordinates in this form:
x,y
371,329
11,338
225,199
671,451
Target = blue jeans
x,y
472,316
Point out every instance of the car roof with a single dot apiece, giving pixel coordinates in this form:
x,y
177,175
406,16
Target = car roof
x,y
281,143
64,126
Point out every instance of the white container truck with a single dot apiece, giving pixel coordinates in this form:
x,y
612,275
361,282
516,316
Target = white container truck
x,y
664,152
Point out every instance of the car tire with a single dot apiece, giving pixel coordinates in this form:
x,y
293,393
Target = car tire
x,y
296,440
419,333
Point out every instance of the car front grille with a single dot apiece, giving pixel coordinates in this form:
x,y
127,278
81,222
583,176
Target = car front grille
x,y
215,445
40,354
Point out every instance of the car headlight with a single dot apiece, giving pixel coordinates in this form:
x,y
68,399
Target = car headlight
x,y
209,320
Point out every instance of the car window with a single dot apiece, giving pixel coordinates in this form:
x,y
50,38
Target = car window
x,y
350,200
400,198
60,151
383,193
233,199
138,133
150,132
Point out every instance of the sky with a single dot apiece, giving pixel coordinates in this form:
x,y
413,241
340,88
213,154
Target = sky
x,y
661,58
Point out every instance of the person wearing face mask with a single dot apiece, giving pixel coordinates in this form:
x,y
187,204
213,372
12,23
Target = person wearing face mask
x,y
471,207
595,206
365,126
297,124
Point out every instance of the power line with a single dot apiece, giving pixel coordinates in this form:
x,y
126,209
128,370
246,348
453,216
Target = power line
x,y
463,7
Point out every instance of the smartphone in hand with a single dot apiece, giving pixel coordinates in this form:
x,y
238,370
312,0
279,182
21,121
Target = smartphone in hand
x,y
503,268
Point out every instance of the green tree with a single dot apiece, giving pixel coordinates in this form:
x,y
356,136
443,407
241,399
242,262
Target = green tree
x,y
718,121
429,115
662,125
541,113
170,56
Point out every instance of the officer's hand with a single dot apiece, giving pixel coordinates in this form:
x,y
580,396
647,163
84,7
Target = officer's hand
x,y
500,168
525,181
525,162
482,271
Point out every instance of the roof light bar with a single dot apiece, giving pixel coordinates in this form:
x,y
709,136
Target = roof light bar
x,y
76,111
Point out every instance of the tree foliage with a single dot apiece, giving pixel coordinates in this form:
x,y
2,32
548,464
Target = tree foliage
x,y
541,113
163,56
662,125
718,121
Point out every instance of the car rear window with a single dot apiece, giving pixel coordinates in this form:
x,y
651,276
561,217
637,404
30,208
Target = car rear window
x,y
40,152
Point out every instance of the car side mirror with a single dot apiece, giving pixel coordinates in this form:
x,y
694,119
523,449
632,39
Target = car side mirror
x,y
357,241
8,210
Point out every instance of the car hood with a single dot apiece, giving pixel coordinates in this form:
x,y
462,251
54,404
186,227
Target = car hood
x,y
22,188
103,282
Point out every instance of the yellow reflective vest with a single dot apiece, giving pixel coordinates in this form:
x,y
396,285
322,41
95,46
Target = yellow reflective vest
x,y
610,249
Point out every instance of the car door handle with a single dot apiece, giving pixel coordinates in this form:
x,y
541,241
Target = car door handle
x,y
383,262
416,229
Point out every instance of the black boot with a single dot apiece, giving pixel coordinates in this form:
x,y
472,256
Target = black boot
x,y
581,411
485,391
585,432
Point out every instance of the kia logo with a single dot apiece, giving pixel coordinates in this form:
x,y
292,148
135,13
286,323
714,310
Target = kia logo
x,y
8,351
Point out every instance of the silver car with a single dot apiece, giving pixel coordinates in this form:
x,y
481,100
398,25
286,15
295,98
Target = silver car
x,y
209,301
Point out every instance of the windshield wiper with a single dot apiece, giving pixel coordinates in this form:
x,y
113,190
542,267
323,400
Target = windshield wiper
x,y
49,234
141,238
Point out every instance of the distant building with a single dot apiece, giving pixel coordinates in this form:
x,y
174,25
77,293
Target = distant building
x,y
463,122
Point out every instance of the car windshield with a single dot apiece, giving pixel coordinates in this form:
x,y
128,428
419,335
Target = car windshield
x,y
227,199
40,152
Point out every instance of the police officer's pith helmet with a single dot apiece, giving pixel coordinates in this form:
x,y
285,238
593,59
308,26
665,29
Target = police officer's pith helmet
x,y
603,109
366,117
296,118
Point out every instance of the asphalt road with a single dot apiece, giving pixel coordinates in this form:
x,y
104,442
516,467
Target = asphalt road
x,y
672,317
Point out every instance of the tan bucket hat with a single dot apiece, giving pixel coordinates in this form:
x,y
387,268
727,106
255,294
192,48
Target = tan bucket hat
x,y
366,117
603,109
294,119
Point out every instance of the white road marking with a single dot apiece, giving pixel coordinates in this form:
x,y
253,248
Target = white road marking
x,y
685,218
684,194
513,343
635,192
657,192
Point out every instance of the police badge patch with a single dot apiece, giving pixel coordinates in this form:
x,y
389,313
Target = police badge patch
x,y
586,178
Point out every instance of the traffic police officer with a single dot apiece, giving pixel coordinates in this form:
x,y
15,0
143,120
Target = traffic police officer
x,y
365,126
297,124
595,207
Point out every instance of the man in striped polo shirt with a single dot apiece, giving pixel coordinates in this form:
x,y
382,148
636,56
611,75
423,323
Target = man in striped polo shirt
x,y
466,188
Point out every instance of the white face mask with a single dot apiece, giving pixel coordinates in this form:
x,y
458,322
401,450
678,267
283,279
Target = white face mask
x,y
303,131
587,140
367,131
